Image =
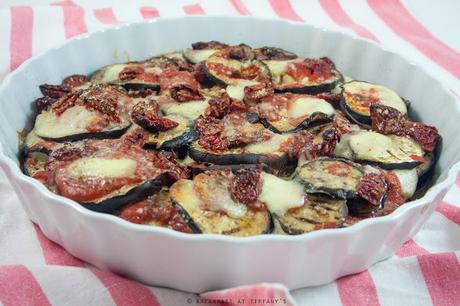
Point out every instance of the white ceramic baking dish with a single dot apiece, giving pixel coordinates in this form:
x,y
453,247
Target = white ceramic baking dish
x,y
197,263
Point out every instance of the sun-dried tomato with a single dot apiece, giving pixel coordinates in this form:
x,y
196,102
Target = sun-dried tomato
x,y
249,72
246,188
257,92
137,137
182,85
130,72
394,197
274,54
146,115
219,107
240,52
201,45
315,69
388,120
168,161
213,142
332,98
44,102
209,125
301,144
372,187
54,91
75,80
328,143
138,213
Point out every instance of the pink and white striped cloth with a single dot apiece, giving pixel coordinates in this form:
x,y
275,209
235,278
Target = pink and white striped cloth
x,y
425,271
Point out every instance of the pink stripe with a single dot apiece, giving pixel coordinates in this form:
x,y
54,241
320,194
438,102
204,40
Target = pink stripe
x,y
194,9
358,289
449,211
22,18
54,254
410,248
442,277
18,286
339,16
126,292
399,19
106,15
283,9
74,18
240,7
149,12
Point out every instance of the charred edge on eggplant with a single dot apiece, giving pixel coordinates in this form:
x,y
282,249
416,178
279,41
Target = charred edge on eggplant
x,y
135,194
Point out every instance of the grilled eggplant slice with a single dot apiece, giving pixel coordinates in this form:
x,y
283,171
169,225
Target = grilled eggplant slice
x,y
226,71
319,212
104,175
96,112
136,76
268,152
387,152
289,113
181,135
338,178
273,53
156,210
305,76
207,206
201,51
190,110
358,96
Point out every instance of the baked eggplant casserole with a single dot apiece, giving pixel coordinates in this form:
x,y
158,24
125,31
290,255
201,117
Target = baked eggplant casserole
x,y
231,140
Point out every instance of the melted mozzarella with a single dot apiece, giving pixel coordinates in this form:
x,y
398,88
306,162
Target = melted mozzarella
x,y
309,105
269,146
385,95
111,73
73,121
236,91
408,180
279,67
372,146
190,110
280,195
101,167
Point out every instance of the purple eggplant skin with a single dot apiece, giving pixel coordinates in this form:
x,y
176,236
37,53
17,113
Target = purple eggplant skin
x,y
195,170
134,195
273,53
196,229
391,166
185,139
278,162
315,119
140,86
99,135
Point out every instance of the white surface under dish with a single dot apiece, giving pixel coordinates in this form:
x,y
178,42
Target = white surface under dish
x,y
197,263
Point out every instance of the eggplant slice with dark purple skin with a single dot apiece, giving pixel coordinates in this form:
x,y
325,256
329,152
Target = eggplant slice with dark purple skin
x,y
304,76
338,178
135,76
318,213
229,217
268,153
274,54
358,96
100,180
385,151
95,112
201,51
228,71
297,113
